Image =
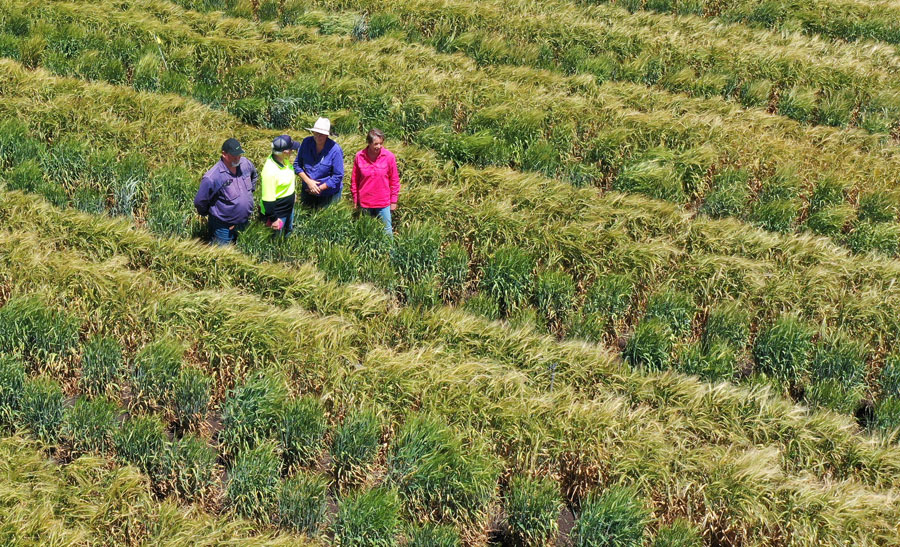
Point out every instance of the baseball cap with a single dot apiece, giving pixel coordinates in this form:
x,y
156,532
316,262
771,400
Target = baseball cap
x,y
284,142
232,147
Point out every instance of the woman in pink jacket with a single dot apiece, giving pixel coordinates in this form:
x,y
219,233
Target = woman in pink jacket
x,y
374,181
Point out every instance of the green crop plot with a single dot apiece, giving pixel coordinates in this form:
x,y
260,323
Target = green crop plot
x,y
641,288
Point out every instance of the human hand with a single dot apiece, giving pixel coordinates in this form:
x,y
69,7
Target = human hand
x,y
313,187
393,206
277,224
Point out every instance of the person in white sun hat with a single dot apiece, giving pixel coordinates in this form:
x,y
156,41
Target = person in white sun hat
x,y
320,166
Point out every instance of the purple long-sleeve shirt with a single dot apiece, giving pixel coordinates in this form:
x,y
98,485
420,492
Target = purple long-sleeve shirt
x,y
227,197
327,167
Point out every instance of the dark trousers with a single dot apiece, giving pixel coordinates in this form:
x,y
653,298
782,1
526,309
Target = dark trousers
x,y
319,202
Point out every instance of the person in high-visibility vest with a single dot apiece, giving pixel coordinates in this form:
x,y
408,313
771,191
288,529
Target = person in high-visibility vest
x,y
278,183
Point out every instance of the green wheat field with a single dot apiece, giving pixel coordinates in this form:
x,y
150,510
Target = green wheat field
x,y
644,288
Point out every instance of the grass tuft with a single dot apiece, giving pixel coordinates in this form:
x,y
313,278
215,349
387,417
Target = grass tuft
x,y
650,346
836,107
833,394
782,350
714,362
729,194
170,207
42,408
29,326
355,445
756,93
417,251
831,221
190,397
484,305
252,413
881,237
829,192
680,533
656,178
12,382
101,365
674,308
507,277
877,206
27,176
302,429
89,425
615,517
439,475
889,378
17,145
554,294
453,270
840,358
609,296
340,263
140,441
799,103
155,372
302,504
432,535
887,414
423,294
728,323
188,468
533,506
368,518
254,483
777,215
589,327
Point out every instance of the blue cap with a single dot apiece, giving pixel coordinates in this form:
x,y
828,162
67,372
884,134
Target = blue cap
x,y
284,142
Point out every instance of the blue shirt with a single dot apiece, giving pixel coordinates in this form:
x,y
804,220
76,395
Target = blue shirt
x,y
227,197
327,167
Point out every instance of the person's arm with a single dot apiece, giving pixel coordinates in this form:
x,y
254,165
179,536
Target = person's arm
x,y
336,157
311,185
298,161
254,176
394,180
354,177
203,197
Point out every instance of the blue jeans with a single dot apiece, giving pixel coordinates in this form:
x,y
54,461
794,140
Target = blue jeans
x,y
383,214
222,233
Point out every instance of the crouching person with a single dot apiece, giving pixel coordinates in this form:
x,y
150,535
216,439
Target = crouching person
x,y
226,194
278,184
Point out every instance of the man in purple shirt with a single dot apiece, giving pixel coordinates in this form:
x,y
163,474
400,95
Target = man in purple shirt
x,y
320,166
226,194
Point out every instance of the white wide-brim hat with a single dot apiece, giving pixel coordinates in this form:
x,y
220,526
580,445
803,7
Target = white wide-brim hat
x,y
322,126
